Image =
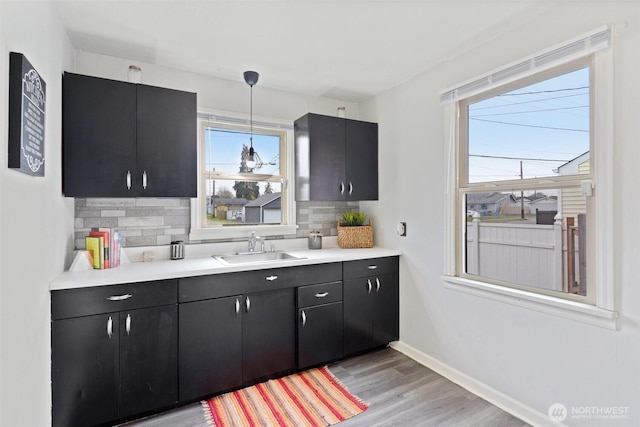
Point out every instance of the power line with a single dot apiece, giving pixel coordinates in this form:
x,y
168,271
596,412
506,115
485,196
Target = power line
x,y
532,111
517,158
543,91
474,108
530,126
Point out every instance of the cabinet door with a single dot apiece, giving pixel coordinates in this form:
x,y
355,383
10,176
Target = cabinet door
x,y
148,359
268,333
361,160
210,346
326,157
167,142
358,315
319,334
84,370
386,313
98,136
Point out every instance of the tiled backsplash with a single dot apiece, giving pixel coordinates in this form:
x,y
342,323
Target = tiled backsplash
x,y
321,216
152,222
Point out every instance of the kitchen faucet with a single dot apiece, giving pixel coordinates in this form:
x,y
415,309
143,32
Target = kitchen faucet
x,y
255,239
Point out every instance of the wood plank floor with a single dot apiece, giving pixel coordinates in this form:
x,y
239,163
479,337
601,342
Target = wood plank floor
x,y
400,391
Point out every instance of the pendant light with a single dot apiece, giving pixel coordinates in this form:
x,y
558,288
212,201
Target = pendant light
x,y
251,158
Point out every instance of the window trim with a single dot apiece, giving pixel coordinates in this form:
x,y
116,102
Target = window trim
x,y
238,121
601,312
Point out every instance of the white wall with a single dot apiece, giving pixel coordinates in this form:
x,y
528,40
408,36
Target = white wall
x,y
214,93
535,358
36,222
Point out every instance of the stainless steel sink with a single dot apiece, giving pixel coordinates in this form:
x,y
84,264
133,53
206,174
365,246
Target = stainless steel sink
x,y
255,257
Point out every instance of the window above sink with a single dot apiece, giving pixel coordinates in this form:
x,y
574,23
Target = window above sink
x,y
234,199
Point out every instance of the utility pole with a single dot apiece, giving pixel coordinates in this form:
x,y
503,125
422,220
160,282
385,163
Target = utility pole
x,y
521,194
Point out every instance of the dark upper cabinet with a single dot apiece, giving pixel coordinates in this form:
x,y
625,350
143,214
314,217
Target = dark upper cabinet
x,y
336,159
126,140
98,136
166,142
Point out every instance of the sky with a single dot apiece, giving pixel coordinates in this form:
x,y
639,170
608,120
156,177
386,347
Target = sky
x,y
223,152
543,125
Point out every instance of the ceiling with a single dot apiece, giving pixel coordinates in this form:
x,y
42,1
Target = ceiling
x,y
343,49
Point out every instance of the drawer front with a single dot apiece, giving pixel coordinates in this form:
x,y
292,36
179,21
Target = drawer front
x,y
323,293
229,284
69,303
370,267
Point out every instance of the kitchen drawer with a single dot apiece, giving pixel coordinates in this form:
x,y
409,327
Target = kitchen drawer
x,y
370,267
229,284
78,302
324,293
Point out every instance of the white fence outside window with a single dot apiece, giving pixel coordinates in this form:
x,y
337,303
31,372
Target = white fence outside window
x,y
529,255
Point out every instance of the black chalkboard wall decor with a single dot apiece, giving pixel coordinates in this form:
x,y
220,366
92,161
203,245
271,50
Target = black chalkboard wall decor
x,y
27,101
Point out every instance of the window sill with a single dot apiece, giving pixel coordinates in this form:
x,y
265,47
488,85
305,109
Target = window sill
x,y
241,232
577,311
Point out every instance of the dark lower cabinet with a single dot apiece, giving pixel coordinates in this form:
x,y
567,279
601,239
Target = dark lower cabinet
x,y
386,313
114,352
371,305
319,334
268,334
230,341
370,312
121,351
320,324
148,360
110,366
210,346
85,370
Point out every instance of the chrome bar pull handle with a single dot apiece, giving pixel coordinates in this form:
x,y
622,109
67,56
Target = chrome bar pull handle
x,y
369,286
322,295
372,267
247,304
304,318
119,297
271,278
237,306
144,180
350,188
110,327
377,285
128,180
128,324
342,188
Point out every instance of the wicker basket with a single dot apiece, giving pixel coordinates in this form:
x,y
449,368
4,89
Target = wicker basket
x,y
356,237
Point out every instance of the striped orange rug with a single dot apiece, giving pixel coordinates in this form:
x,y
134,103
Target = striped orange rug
x,y
310,398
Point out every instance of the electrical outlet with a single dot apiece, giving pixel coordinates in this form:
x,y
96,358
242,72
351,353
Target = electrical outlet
x,y
402,228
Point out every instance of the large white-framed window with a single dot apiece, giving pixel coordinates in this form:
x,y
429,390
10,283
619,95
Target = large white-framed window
x,y
529,183
235,197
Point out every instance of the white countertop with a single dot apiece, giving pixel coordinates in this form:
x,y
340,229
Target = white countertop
x,y
204,265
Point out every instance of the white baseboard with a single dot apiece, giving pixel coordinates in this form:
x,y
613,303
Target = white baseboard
x,y
495,397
